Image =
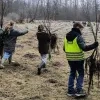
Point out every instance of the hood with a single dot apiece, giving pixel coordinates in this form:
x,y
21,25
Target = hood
x,y
73,34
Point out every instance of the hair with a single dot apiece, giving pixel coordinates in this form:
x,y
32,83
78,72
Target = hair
x,y
11,23
40,28
9,26
78,25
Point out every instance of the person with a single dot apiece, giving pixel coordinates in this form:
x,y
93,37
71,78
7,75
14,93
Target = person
x,y
1,42
74,47
43,46
9,43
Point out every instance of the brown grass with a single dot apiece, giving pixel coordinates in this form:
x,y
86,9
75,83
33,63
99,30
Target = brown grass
x,y
22,82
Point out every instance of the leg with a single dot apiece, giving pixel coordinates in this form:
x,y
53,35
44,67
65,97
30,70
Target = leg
x,y
10,59
44,58
5,59
80,79
1,51
72,76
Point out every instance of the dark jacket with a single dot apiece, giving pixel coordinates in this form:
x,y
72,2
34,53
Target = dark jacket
x,y
1,37
10,40
43,42
1,42
76,33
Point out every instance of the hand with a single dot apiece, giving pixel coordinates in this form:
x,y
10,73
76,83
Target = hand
x,y
96,44
27,31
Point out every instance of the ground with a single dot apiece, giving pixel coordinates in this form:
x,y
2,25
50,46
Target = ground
x,y
23,83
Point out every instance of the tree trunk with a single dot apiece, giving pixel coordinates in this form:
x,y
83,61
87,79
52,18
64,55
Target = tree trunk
x,y
2,13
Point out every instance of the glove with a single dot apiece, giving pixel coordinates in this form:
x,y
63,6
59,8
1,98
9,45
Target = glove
x,y
96,44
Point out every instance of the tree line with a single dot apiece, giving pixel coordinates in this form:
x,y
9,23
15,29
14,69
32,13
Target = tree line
x,y
29,10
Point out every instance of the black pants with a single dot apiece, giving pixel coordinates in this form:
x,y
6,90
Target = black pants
x,y
76,66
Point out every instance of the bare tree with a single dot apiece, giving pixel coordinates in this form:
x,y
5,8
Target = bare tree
x,y
55,9
35,13
3,6
59,10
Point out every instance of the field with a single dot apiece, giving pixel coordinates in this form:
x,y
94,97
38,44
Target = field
x,y
23,83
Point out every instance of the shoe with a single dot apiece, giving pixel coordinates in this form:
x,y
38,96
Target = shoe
x,y
4,62
13,61
71,93
39,71
80,93
2,66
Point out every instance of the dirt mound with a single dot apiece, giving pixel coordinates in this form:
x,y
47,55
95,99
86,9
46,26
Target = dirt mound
x,y
31,56
57,64
22,82
15,64
33,98
52,81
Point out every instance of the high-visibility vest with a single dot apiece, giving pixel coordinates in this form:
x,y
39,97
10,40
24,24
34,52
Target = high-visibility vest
x,y
73,51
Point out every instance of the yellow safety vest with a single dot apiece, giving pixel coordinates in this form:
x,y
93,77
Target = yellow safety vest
x,y
73,51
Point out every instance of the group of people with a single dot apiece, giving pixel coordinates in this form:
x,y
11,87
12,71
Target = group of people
x,y
74,47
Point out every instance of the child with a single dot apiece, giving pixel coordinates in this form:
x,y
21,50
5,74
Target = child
x,y
10,42
43,46
74,46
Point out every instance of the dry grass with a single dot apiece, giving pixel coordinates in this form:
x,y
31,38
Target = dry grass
x,y
22,82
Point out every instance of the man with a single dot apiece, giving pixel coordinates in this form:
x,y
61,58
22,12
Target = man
x,y
43,46
10,42
74,46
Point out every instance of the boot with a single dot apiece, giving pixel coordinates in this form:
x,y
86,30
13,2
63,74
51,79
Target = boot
x,y
2,66
80,93
39,71
40,68
2,63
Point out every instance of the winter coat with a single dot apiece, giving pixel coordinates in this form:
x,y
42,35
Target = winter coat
x,y
43,42
11,38
1,37
1,41
81,43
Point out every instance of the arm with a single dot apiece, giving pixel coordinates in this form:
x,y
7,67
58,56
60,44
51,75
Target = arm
x,y
17,33
83,45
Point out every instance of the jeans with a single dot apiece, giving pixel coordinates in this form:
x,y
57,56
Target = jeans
x,y
7,56
76,67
